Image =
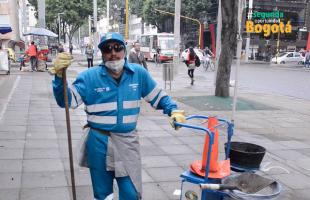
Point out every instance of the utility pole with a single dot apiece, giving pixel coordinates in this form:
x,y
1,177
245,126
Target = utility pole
x,y
25,21
95,33
177,17
247,44
41,11
59,26
14,23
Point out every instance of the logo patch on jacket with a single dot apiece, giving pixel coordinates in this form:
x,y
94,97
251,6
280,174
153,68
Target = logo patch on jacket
x,y
134,86
102,89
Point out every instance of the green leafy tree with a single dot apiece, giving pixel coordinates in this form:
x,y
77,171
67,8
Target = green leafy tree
x,y
154,18
75,14
136,7
194,9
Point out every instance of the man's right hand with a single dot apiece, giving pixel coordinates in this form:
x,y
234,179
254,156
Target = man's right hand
x,y
63,60
177,116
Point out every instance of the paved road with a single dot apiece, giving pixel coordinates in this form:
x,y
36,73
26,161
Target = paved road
x,y
271,79
289,81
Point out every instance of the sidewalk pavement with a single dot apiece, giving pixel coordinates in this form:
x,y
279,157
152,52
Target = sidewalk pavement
x,y
34,161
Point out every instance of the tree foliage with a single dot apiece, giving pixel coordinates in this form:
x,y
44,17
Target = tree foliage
x,y
153,17
194,9
136,7
75,13
228,49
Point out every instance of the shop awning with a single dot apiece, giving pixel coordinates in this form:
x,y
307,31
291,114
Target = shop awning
x,y
41,32
5,29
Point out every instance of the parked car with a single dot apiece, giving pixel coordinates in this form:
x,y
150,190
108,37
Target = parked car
x,y
289,57
198,52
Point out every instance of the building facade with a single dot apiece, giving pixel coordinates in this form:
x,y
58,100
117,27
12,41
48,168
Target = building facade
x,y
9,16
20,16
297,13
135,28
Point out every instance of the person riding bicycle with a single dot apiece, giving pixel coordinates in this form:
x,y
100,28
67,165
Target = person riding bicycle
x,y
208,52
207,59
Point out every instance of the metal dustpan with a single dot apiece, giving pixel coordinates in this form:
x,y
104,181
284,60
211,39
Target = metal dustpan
x,y
247,182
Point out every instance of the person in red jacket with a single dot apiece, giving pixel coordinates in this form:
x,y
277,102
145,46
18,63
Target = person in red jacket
x,y
32,53
190,63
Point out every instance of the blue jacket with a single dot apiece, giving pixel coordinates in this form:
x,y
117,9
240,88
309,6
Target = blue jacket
x,y
113,106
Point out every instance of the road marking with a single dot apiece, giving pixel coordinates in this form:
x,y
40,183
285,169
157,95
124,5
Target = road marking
x,y
9,97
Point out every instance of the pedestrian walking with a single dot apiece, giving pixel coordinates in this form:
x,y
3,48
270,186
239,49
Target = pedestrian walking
x,y
111,93
32,52
190,63
71,48
307,59
89,55
60,48
136,56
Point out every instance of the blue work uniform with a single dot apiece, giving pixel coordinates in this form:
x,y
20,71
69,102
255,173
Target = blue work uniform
x,y
112,107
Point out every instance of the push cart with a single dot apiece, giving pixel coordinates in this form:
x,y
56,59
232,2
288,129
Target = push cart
x,y
214,177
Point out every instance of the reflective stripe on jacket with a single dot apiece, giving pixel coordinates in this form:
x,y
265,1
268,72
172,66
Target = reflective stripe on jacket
x,y
111,106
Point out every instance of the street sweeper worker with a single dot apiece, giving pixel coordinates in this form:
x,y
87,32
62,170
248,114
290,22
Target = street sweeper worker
x,y
111,93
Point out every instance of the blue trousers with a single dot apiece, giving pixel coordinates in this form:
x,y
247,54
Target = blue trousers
x,y
102,180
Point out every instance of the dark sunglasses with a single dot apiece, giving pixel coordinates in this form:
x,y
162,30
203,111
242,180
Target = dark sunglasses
x,y
109,48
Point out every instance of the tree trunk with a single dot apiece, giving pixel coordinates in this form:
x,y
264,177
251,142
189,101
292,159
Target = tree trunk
x,y
228,49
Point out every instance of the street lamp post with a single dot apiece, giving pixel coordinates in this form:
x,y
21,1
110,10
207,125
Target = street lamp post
x,y
58,16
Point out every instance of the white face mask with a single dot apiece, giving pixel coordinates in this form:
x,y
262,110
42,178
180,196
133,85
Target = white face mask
x,y
115,65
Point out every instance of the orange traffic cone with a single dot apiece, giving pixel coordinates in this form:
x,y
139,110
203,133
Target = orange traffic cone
x,y
212,122
217,169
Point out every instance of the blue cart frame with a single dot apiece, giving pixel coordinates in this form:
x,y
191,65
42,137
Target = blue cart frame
x,y
188,176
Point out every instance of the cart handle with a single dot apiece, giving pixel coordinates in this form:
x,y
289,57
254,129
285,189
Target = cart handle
x,y
229,124
230,129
